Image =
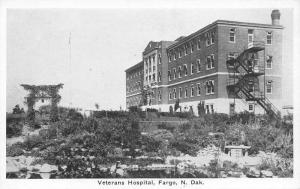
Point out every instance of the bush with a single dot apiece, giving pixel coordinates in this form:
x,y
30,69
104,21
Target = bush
x,y
33,141
49,133
13,129
14,150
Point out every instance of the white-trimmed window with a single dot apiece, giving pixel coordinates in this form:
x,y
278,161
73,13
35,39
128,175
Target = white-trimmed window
x,y
212,38
207,108
159,77
180,52
185,49
175,55
250,35
159,95
179,72
192,47
212,110
174,73
170,95
232,35
192,68
207,36
185,92
159,58
210,87
210,61
251,107
149,78
269,62
169,57
153,58
192,91
185,70
198,44
269,38
174,93
198,65
269,87
198,89
154,68
180,92
169,75
153,77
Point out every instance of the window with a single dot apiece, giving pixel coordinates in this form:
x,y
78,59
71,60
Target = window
x,y
207,109
192,68
212,108
269,62
232,35
180,52
149,78
174,72
185,70
251,86
185,49
192,47
212,38
192,91
159,95
198,65
198,44
269,38
153,77
185,92
180,92
149,58
159,58
198,89
210,62
170,95
179,72
170,57
154,68
210,87
207,36
146,78
169,75
153,58
175,55
250,36
159,77
251,107
269,87
174,93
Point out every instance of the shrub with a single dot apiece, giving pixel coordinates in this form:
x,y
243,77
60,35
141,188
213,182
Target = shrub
x,y
14,150
49,133
33,141
13,129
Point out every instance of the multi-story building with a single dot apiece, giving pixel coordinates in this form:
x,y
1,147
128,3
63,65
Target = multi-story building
x,y
230,66
134,85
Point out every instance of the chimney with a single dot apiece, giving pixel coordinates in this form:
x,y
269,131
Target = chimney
x,y
275,17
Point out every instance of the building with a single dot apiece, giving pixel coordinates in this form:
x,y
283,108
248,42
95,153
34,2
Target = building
x,y
134,85
230,66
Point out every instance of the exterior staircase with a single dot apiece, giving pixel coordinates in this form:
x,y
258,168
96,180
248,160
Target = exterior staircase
x,y
243,78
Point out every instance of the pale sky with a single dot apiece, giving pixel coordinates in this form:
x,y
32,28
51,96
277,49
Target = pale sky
x,y
105,42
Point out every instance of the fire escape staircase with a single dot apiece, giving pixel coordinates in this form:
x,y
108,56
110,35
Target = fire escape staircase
x,y
244,75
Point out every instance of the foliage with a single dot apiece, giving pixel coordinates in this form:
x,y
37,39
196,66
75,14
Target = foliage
x,y
201,108
33,141
14,150
49,133
13,129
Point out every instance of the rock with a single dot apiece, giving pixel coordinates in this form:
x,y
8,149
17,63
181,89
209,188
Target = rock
x,y
266,173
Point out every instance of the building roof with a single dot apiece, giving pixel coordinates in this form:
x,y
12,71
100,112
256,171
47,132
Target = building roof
x,y
224,22
140,64
151,45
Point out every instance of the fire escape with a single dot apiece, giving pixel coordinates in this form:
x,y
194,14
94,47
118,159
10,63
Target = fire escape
x,y
244,72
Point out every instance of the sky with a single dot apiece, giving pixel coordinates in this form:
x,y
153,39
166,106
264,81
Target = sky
x,y
88,50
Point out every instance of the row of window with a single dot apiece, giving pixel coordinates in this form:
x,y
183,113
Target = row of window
x,y
189,47
194,90
134,75
151,78
174,73
134,87
232,36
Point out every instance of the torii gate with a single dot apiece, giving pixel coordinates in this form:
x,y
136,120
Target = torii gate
x,y
41,92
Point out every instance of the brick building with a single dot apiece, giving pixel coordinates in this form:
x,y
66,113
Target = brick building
x,y
230,66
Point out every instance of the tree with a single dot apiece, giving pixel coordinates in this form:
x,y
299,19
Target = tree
x,y
171,110
201,109
16,109
97,106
